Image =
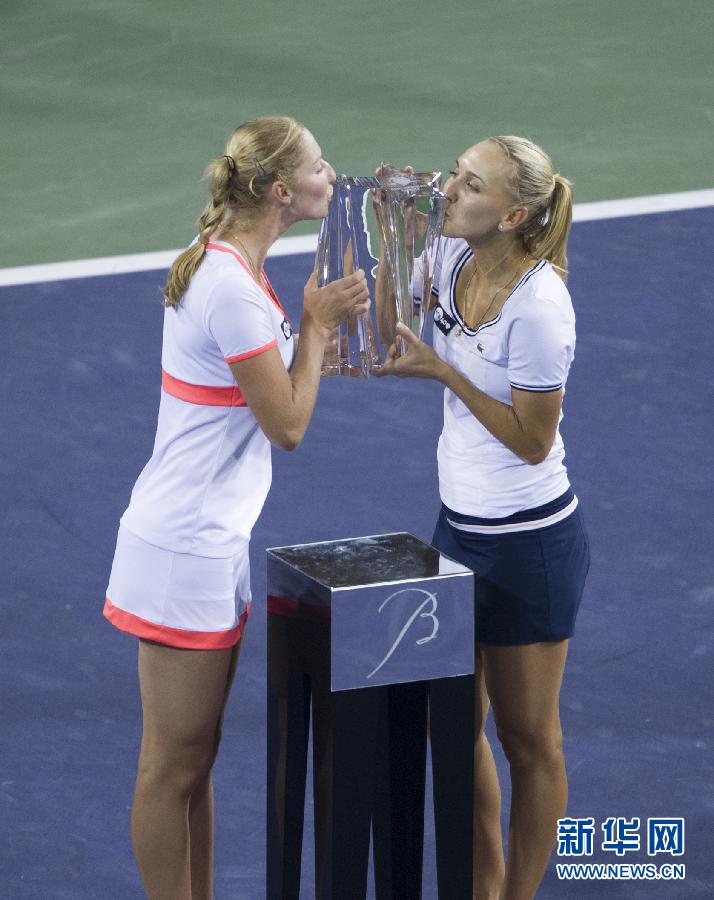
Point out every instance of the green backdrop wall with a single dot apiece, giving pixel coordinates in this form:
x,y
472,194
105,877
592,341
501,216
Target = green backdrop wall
x,y
111,108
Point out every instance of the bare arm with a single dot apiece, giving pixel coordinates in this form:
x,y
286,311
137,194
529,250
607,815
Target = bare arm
x,y
527,427
283,401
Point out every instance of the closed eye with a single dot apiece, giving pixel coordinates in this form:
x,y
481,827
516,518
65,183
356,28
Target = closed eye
x,y
472,185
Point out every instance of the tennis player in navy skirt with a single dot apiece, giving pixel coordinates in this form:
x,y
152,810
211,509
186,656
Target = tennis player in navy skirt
x,y
504,339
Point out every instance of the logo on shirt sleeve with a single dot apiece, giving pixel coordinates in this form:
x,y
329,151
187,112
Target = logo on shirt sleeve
x,y
287,329
443,321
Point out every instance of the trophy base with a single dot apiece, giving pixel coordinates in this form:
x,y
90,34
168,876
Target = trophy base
x,y
335,670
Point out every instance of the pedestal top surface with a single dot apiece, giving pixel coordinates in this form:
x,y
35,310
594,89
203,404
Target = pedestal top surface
x,y
368,560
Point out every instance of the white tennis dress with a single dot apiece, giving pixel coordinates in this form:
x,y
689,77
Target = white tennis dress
x,y
180,574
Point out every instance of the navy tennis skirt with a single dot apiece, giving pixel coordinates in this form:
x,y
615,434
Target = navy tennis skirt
x,y
529,583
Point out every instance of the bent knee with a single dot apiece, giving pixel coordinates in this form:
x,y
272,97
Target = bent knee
x,y
180,768
525,746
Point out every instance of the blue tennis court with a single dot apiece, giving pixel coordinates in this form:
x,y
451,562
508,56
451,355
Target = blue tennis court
x,y
80,369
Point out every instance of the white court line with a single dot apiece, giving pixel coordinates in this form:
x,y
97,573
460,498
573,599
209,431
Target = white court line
x,y
641,206
137,262
146,262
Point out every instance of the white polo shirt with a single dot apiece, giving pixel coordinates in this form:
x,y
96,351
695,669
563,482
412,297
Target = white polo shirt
x,y
205,484
529,345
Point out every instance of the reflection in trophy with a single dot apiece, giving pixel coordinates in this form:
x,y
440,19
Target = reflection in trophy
x,y
398,215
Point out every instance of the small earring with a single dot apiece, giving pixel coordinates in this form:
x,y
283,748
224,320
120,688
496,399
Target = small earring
x,y
500,227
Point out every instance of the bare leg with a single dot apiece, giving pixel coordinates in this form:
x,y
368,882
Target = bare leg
x,y
183,695
524,687
201,817
201,837
489,865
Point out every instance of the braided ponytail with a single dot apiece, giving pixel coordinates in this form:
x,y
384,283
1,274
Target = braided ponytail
x,y
187,262
258,153
547,197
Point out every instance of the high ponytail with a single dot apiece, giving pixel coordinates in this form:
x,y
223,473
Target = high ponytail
x,y
547,233
258,153
547,197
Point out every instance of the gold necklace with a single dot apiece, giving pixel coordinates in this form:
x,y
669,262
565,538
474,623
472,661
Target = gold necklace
x,y
493,299
258,275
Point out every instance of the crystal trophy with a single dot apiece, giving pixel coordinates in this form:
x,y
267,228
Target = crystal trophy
x,y
380,224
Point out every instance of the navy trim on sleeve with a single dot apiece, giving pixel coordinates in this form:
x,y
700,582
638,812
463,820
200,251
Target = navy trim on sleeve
x,y
546,389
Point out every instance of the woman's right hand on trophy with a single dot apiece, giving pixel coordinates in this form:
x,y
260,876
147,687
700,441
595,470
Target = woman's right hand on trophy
x,y
337,301
419,360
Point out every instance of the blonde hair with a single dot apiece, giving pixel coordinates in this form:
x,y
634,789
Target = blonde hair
x,y
258,153
548,198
